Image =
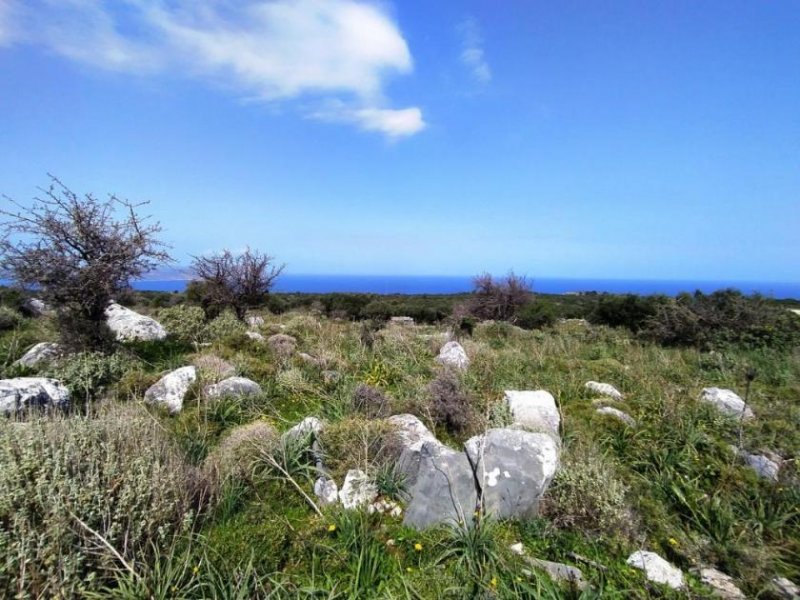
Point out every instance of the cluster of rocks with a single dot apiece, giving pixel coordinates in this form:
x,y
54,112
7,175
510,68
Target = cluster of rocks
x,y
22,393
608,393
502,472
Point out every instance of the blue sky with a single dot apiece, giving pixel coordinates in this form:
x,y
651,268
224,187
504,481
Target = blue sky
x,y
561,139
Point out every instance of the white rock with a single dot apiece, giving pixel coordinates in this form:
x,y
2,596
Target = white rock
x,y
308,426
26,392
618,414
43,352
605,389
357,489
385,507
36,307
405,321
513,468
254,321
453,355
722,584
727,402
233,386
170,390
129,325
657,569
254,335
786,588
326,490
534,410
762,465
517,549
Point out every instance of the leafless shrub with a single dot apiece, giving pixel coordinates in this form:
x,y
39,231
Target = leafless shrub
x,y
80,253
236,281
450,406
370,402
499,299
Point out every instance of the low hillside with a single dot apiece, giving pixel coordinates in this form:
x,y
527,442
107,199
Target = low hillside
x,y
203,486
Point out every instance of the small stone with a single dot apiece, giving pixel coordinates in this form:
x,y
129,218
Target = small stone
x,y
40,354
517,549
254,321
357,489
604,389
453,355
617,414
255,336
404,321
657,569
308,427
722,584
388,507
560,572
727,402
762,465
786,588
326,490
233,387
35,307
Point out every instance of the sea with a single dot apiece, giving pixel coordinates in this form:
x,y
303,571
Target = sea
x,y
428,284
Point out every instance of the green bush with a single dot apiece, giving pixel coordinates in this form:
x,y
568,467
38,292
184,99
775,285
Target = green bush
x,y
536,315
71,487
226,327
186,324
629,310
87,374
587,496
9,318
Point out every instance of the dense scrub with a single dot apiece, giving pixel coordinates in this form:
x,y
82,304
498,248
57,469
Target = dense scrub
x,y
210,504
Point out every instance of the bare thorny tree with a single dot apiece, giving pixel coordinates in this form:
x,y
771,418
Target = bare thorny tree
x,y
236,281
78,253
499,299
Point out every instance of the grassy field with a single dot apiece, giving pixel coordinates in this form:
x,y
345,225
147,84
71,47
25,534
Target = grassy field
x,y
117,499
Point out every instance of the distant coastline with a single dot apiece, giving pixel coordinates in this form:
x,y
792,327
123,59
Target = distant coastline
x,y
428,284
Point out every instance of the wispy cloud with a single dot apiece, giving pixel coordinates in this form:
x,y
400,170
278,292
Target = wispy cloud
x,y
273,50
472,54
393,123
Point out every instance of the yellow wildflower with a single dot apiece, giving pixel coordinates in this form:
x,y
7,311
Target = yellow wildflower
x,y
493,582
673,542
409,569
331,527
418,547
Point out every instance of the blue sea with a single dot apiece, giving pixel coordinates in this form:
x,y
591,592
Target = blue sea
x,y
415,284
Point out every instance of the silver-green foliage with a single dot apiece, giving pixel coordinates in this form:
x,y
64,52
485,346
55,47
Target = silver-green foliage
x,y
587,495
86,374
187,324
226,327
72,488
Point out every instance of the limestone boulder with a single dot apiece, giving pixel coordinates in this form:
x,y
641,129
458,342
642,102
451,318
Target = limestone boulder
x,y
170,391
604,389
722,584
357,490
617,414
129,325
513,468
40,354
656,569
453,355
534,410
444,490
22,393
411,434
233,387
727,402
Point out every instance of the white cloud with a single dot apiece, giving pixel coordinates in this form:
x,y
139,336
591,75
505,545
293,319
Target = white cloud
x,y
393,123
472,54
269,49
